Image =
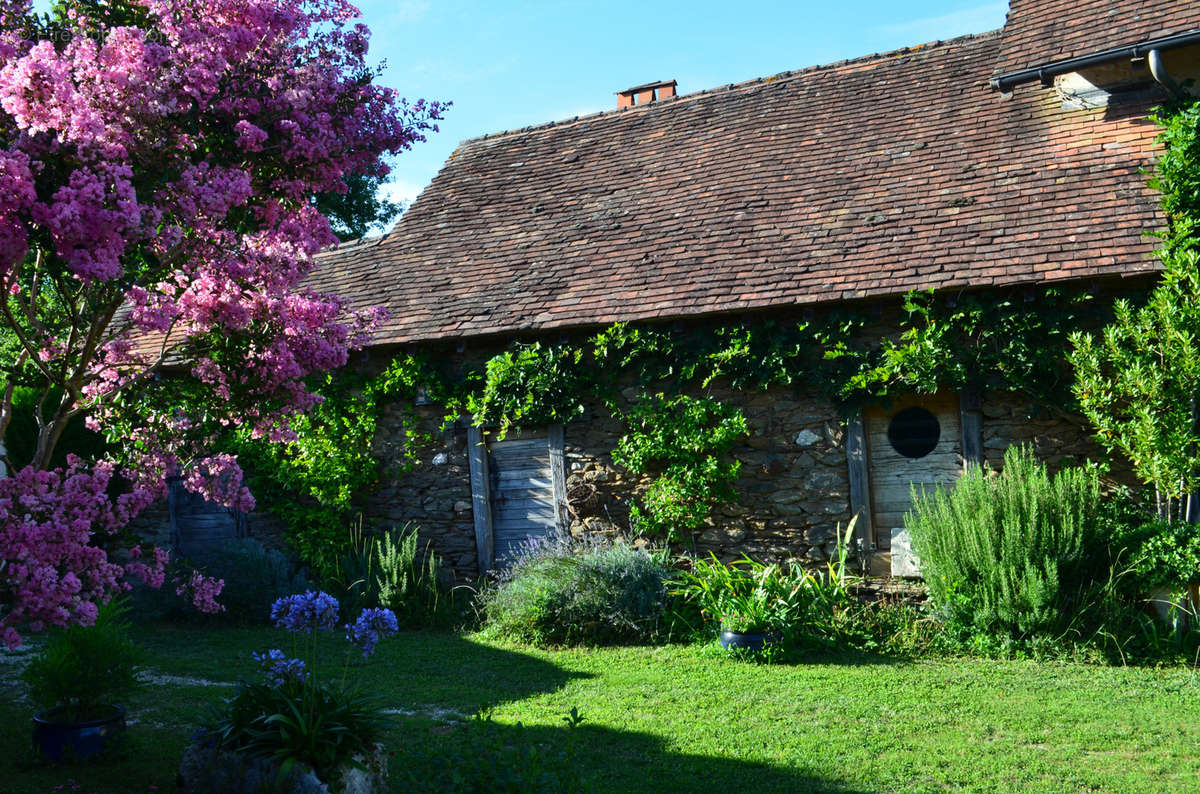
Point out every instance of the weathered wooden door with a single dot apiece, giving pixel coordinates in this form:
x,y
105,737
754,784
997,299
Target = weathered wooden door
x,y
519,491
200,528
915,443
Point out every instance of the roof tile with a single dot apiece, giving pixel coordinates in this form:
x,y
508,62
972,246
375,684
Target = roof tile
x,y
861,179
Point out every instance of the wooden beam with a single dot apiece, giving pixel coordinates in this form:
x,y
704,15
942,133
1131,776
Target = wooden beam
x,y
971,421
481,500
860,484
558,477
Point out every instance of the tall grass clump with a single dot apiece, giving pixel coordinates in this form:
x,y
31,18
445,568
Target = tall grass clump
x,y
1020,552
566,592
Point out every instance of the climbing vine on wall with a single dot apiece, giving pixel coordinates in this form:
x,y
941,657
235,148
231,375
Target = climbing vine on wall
x,y
314,483
1008,340
530,384
683,441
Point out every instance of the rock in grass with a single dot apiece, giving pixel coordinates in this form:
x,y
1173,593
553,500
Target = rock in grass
x,y
208,769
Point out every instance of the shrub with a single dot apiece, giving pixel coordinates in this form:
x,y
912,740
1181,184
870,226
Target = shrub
x,y
351,575
1019,552
81,667
568,592
411,583
299,722
803,607
1165,555
745,595
254,577
389,571
294,719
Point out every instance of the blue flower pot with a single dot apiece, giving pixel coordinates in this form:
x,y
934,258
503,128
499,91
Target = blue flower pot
x,y
56,739
751,641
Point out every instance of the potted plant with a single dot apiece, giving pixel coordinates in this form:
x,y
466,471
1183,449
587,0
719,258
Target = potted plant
x,y
754,602
751,620
1167,562
75,678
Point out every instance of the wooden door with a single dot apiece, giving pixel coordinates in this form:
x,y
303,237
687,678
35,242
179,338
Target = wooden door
x,y
522,489
200,528
518,489
916,443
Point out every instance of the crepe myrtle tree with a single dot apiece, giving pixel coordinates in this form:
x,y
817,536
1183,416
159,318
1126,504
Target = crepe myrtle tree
x,y
161,165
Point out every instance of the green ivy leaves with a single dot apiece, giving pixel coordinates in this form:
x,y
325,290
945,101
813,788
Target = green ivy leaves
x,y
531,384
684,439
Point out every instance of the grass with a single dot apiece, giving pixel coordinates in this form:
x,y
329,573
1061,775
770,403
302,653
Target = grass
x,y
689,719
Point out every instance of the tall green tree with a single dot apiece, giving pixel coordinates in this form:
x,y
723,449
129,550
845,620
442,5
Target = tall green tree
x,y
1138,382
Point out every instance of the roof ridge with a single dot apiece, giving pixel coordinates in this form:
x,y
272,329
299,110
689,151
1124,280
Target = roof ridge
x,y
781,76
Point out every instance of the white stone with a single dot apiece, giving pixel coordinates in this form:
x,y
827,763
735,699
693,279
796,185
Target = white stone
x,y
441,459
806,438
904,561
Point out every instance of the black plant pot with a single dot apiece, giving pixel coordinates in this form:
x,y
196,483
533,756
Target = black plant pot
x,y
749,640
57,739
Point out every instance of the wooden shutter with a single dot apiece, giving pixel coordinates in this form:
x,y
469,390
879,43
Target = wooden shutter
x,y
518,488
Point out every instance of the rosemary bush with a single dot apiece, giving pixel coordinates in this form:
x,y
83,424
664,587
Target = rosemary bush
x,y
410,581
1020,552
391,571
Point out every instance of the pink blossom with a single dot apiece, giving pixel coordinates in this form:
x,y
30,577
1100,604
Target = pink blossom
x,y
203,591
164,174
49,521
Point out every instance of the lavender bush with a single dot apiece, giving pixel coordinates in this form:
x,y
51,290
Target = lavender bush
x,y
578,592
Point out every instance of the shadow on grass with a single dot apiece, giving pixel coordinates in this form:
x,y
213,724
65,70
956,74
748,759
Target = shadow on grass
x,y
482,756
459,673
798,657
456,672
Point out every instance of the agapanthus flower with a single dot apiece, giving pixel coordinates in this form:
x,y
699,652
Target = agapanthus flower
x,y
312,611
371,626
279,669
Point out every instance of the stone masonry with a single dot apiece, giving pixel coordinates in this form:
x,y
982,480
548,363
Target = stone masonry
x,y
792,493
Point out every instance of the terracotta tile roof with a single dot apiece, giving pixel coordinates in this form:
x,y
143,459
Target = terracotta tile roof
x,y
865,178
1040,32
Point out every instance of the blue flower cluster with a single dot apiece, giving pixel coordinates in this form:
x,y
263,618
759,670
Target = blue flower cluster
x,y
371,626
279,669
309,612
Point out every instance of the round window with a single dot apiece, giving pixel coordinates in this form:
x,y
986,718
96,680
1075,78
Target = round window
x,y
914,432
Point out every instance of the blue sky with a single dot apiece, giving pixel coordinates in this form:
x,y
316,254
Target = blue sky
x,y
510,64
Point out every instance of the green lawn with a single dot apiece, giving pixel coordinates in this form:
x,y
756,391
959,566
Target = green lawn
x,y
687,719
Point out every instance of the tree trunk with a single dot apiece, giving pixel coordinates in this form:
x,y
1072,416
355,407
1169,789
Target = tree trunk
x,y
51,432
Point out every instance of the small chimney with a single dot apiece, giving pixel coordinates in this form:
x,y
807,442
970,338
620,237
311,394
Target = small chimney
x,y
644,94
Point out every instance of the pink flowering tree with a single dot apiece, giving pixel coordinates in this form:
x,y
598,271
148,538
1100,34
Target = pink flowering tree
x,y
161,165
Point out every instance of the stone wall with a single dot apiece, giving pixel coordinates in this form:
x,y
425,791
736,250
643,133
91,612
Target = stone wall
x,y
1057,438
792,494
426,481
792,491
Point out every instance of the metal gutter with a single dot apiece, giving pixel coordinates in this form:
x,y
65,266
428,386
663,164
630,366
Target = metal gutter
x,y
1047,73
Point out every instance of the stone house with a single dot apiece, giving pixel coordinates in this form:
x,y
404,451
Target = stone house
x,y
1009,159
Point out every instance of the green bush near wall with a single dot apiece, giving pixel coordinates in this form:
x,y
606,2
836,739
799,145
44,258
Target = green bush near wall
x,y
1020,552
568,593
